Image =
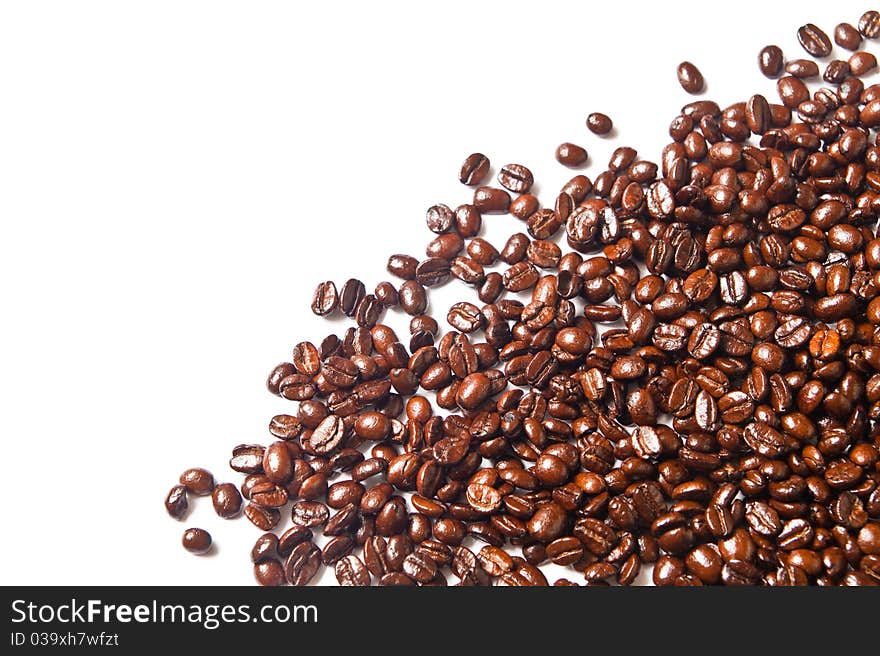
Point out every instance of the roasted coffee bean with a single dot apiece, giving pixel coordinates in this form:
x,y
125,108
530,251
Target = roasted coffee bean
x,y
847,36
197,481
690,78
302,564
440,219
176,502
599,123
571,155
869,24
403,266
770,61
474,169
325,299
491,200
516,178
350,295
196,540
351,572
310,514
227,500
814,40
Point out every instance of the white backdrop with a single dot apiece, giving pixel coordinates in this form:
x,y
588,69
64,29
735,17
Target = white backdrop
x,y
176,176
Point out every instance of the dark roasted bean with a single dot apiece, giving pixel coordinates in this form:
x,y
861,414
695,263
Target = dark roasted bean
x,y
690,78
571,155
196,541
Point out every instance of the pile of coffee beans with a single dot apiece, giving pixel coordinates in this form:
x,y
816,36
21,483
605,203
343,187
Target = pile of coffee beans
x,y
675,365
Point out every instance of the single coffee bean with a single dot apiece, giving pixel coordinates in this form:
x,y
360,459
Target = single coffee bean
x,y
516,178
196,541
351,294
176,502
269,573
474,169
350,572
690,78
814,40
325,299
869,24
847,36
599,123
226,500
571,155
491,200
770,61
302,564
440,219
197,481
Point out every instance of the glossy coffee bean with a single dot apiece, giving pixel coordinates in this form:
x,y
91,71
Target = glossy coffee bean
x,y
196,540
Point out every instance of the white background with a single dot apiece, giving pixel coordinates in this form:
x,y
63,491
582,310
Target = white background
x,y
175,178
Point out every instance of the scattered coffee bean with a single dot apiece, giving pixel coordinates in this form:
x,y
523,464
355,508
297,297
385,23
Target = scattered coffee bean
x,y
197,481
196,540
771,61
474,170
571,155
690,78
814,40
599,123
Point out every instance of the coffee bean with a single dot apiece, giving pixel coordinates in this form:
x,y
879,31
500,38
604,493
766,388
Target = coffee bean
x,y
351,572
197,481
571,155
403,266
176,502
862,63
302,564
351,294
690,78
869,24
227,500
310,514
264,519
439,218
847,36
325,299
197,541
474,169
516,178
770,61
814,40
491,200
802,68
433,271
599,123
269,573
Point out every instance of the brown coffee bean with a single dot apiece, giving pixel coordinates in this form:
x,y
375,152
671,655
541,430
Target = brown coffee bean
x,y
474,169
770,61
491,200
516,178
226,500
869,24
176,503
847,36
814,40
197,541
690,78
197,481
571,155
599,123
325,299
